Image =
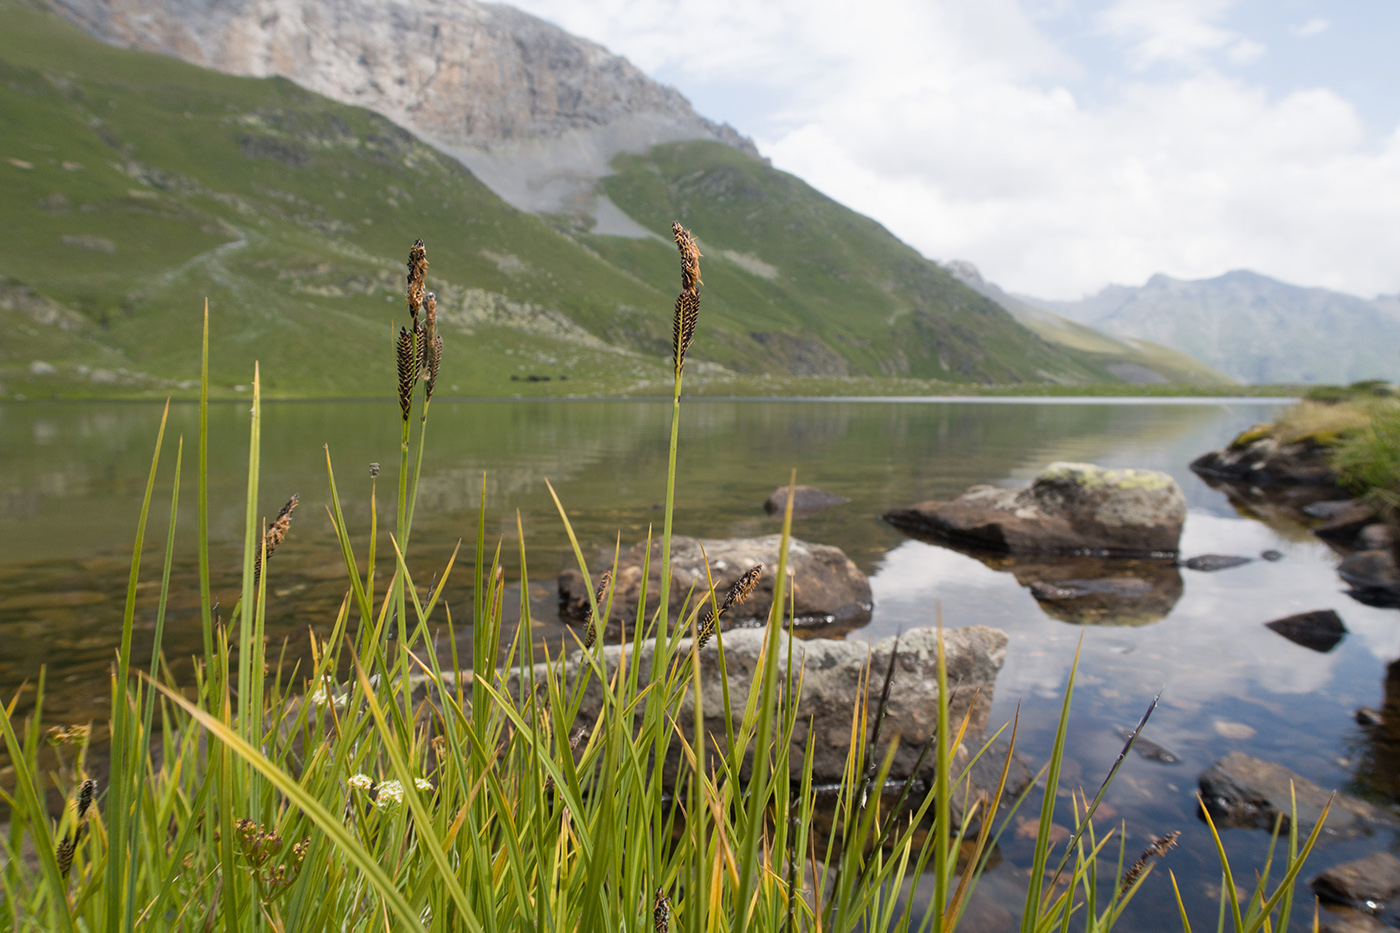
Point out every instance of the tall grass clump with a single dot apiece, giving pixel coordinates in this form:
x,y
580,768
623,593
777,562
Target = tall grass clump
x,y
374,790
1368,459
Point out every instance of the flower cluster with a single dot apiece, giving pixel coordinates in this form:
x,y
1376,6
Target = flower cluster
x,y
388,795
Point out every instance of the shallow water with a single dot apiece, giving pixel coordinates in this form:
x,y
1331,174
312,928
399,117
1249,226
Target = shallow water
x,y
71,477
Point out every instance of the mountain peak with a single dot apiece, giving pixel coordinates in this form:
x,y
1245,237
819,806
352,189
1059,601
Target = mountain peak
x,y
535,112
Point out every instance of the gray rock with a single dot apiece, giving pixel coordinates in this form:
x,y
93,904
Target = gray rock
x,y
805,500
1369,716
1343,526
828,587
1376,536
1212,562
832,672
1321,630
1372,572
1247,792
1365,883
1265,462
1271,555
1327,508
1352,921
1070,508
1096,590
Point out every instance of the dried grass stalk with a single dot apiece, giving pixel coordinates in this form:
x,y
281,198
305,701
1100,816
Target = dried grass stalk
x,y
274,536
429,319
408,370
688,301
1159,847
590,634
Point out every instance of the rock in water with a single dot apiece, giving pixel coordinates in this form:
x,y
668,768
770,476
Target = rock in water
x,y
805,500
1373,575
1071,508
831,686
1366,883
1320,630
1263,461
1146,748
1246,792
828,587
1212,562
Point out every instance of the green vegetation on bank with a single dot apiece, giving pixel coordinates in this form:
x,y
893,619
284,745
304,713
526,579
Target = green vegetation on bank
x,y
377,791
1358,427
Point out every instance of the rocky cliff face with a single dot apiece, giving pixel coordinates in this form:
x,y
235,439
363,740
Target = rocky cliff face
x,y
536,112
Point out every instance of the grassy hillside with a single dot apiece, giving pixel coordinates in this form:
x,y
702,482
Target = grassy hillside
x,y
134,186
816,284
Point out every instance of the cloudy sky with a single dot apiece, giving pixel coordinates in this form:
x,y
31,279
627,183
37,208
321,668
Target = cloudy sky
x,y
1062,144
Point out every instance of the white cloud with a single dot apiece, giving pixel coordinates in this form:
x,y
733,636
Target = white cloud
x,y
1245,51
963,128
1311,28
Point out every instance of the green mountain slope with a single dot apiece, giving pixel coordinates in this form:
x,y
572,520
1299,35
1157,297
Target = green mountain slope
x,y
133,186
820,287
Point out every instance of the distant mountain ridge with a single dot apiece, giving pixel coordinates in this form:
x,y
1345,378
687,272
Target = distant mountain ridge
x,y
1251,327
534,112
1134,361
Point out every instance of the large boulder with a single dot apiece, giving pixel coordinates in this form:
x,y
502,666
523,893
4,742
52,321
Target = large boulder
x,y
1368,883
1258,459
828,588
1070,508
833,674
1242,791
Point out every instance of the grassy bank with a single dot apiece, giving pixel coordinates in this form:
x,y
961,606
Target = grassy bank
x,y
377,790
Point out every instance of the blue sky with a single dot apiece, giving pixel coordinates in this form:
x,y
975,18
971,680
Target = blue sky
x,y
1062,144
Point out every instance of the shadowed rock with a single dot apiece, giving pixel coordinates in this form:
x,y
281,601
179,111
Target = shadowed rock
x,y
1209,563
1070,509
1367,883
1321,630
805,500
1264,461
827,586
1246,792
831,684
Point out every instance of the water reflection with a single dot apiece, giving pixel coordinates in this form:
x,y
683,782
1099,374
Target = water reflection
x,y
71,477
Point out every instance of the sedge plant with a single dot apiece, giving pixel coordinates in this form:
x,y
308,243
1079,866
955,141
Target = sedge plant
x,y
573,787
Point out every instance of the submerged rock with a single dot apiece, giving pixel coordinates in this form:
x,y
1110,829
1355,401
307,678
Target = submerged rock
x,y
1098,591
1212,562
832,676
1344,525
805,500
1146,748
827,586
1366,883
1247,792
1321,630
1070,508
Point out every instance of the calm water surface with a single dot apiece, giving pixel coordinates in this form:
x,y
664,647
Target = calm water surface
x,y
71,477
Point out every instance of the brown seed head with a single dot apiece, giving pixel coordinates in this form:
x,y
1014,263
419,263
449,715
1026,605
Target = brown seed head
x,y
68,735
86,792
661,912
688,301
1159,847
590,634
743,587
276,533
434,364
417,269
66,847
408,370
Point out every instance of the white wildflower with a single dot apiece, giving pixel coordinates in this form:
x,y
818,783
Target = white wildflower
x,y
360,782
388,795
322,698
423,784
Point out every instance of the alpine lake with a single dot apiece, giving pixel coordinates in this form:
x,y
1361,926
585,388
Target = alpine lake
x,y
72,475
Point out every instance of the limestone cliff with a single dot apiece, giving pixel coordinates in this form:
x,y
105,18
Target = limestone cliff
x,y
535,112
